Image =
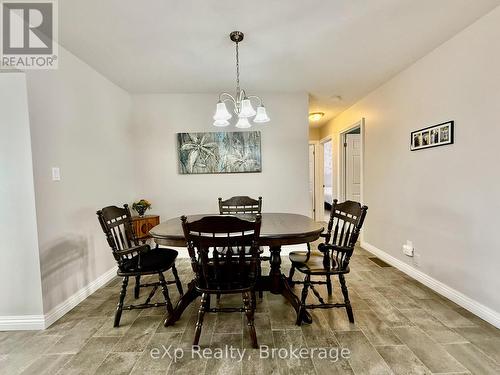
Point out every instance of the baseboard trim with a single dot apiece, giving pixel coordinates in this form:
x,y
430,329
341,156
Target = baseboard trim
x,y
22,323
64,307
40,322
459,298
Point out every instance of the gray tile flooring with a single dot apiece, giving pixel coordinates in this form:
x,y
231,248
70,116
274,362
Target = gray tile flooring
x,y
401,327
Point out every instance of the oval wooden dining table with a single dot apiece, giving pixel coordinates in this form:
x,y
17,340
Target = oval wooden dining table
x,y
278,229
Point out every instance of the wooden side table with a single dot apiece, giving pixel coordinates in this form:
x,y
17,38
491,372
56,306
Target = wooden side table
x,y
142,226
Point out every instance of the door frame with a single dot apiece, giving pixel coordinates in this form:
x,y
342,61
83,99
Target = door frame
x,y
317,181
321,173
341,170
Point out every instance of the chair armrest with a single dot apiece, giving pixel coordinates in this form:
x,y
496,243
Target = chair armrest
x,y
135,249
322,247
324,235
343,249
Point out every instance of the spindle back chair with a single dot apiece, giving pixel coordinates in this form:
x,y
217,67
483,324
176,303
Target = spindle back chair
x,y
240,205
243,205
333,256
135,260
224,252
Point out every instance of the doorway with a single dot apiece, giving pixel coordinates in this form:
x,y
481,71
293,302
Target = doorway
x,y
312,179
351,163
327,147
315,180
352,157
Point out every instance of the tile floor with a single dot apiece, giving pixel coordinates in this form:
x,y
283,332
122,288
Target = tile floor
x,y
401,327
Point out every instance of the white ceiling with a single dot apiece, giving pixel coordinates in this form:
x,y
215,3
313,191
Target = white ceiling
x,y
323,47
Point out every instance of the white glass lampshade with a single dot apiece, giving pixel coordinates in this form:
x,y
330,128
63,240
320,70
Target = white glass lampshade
x,y
243,123
221,123
246,109
261,115
221,114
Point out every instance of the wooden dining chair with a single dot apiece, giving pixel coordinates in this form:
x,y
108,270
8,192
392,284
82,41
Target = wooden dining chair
x,y
135,260
224,257
240,205
243,204
331,258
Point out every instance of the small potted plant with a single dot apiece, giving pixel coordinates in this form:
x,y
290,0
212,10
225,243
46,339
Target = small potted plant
x,y
141,207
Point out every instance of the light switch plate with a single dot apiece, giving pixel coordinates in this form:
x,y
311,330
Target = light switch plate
x,y
56,174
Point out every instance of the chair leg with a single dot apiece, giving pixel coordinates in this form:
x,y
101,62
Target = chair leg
x,y
164,290
137,288
199,322
119,308
346,298
259,274
249,312
207,303
253,300
302,307
290,275
329,284
177,280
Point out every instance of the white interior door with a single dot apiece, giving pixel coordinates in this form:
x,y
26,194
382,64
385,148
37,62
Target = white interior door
x,y
353,167
312,173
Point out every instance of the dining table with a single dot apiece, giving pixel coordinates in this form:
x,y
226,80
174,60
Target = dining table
x,y
277,230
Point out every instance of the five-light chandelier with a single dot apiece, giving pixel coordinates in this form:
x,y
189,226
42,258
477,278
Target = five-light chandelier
x,y
242,105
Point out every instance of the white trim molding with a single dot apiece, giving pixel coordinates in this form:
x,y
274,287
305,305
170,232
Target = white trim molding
x,y
22,323
40,322
341,159
66,306
459,298
318,179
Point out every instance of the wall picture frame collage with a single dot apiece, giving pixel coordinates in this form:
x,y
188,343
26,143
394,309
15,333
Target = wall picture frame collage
x,y
432,136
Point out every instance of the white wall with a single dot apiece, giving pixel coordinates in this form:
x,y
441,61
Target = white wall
x,y
282,183
80,123
20,287
314,134
444,199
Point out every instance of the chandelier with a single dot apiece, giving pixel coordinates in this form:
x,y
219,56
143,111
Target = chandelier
x,y
241,103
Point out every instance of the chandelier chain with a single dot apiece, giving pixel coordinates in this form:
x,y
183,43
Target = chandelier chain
x,y
241,102
237,70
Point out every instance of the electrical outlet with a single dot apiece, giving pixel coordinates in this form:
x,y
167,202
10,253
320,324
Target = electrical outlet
x,y
408,248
